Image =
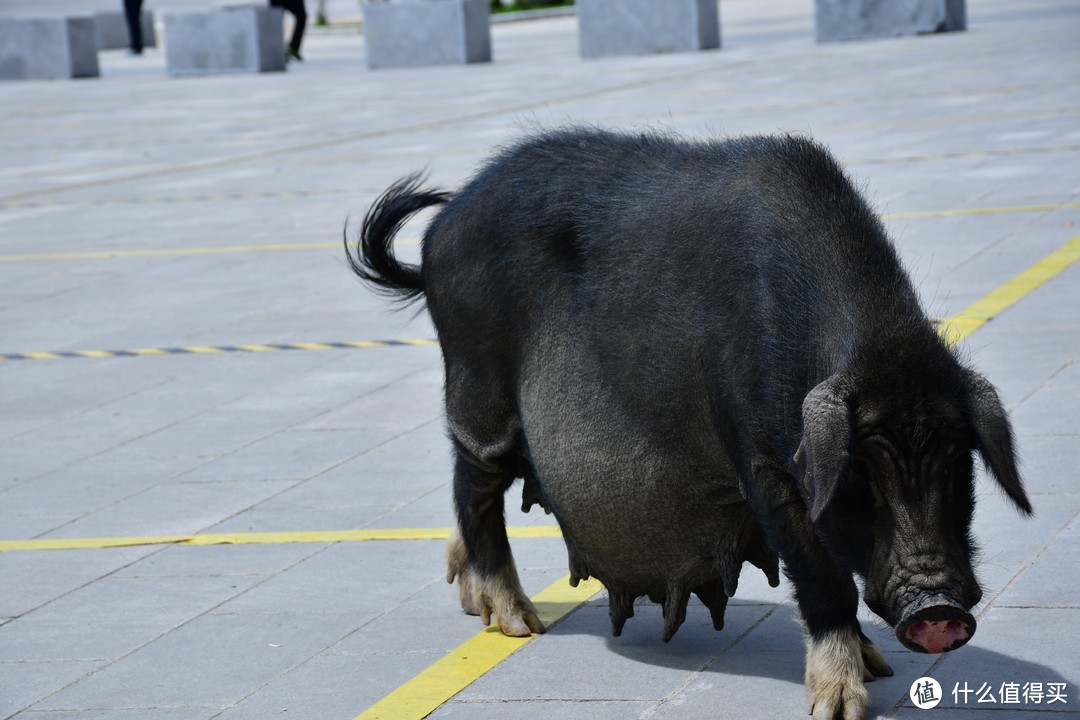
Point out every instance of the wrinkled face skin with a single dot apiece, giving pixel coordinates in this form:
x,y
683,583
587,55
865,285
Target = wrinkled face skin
x,y
902,520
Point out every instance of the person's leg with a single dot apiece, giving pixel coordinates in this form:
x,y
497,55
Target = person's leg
x,y
296,7
132,13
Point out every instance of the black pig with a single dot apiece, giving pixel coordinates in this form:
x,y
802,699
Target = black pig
x,y
697,354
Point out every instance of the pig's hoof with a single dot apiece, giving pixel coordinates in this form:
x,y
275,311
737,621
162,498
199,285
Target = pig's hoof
x,y
874,665
500,596
834,676
457,566
517,617
468,594
508,604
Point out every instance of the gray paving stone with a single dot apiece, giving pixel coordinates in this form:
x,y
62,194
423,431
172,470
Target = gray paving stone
x,y
172,509
293,519
247,652
20,527
1052,408
1045,584
433,509
37,453
348,578
553,710
370,477
207,436
24,683
201,561
360,482
1007,542
32,579
403,404
190,712
341,381
404,628
973,713
330,686
1050,462
80,489
288,455
112,617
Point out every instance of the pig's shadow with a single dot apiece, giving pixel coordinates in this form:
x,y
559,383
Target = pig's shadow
x,y
764,640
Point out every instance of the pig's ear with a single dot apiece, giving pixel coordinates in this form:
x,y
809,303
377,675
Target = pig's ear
x,y
824,455
995,438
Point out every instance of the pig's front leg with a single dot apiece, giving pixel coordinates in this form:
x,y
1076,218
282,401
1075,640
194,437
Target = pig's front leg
x,y
839,658
837,666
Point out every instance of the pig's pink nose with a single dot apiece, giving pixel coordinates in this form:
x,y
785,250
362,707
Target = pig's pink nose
x,y
935,625
938,636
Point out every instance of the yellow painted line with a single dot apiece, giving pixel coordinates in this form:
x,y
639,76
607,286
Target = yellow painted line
x,y
257,348
266,538
418,342
449,675
94,353
995,210
990,306
88,543
218,349
311,346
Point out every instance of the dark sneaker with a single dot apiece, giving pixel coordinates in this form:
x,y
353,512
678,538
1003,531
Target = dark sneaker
x,y
291,54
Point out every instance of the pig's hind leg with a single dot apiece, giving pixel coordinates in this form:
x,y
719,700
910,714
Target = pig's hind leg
x,y
479,553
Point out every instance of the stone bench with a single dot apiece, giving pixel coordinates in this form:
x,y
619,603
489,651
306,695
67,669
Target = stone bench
x,y
48,48
864,19
427,32
112,29
243,38
638,27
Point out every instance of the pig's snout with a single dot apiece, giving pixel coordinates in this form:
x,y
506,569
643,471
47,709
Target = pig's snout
x,y
937,624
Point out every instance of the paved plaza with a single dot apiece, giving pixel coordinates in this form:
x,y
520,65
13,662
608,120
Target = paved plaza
x,y
224,474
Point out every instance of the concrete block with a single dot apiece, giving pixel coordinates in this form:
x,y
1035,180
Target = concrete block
x,y
639,27
863,19
112,29
226,40
48,48
413,33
